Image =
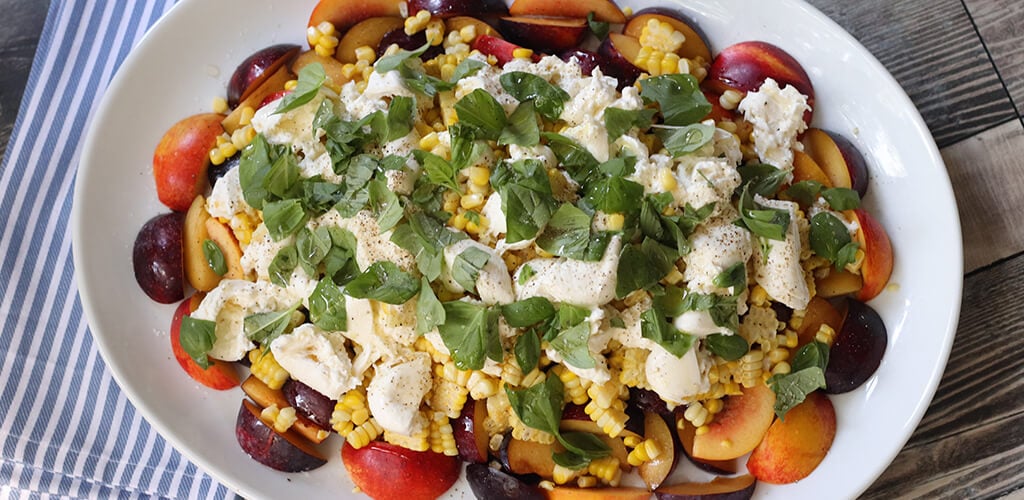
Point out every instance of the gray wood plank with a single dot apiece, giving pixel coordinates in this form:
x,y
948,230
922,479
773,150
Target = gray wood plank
x,y
23,23
970,443
1001,24
989,185
932,49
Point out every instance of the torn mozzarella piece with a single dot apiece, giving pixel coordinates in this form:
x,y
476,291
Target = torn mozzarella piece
x,y
230,302
372,244
778,118
493,284
597,341
675,379
577,282
316,359
780,272
396,392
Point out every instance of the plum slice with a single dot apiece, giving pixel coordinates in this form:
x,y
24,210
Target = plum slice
x,y
256,68
654,471
858,349
309,402
158,258
470,436
545,34
721,488
286,452
488,483
384,470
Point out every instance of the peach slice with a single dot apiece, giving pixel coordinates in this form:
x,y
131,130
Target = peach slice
x,y
257,68
471,438
449,8
806,169
197,268
841,161
838,284
718,113
386,471
604,10
182,157
619,52
497,47
721,488
819,311
545,34
344,14
221,375
694,47
795,445
739,427
746,65
620,493
878,258
572,423
286,452
333,70
265,396
366,33
529,457
458,22
221,235
654,471
686,432
272,84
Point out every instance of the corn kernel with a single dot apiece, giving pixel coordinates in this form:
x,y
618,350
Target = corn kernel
x,y
228,150
216,157
781,368
459,221
435,32
614,222
417,23
522,53
702,430
730,99
480,176
467,33
246,115
471,201
429,141
323,51
586,482
220,105
628,11
312,35
667,179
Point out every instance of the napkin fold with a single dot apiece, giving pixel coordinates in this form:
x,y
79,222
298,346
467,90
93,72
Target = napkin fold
x,y
66,429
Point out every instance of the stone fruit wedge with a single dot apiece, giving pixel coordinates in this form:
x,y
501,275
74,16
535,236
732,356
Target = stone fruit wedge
x,y
197,269
796,444
344,14
471,438
221,375
721,488
878,257
545,34
841,161
181,158
857,350
386,471
265,396
497,47
333,70
366,33
686,432
621,493
656,470
256,68
746,65
222,235
739,427
619,51
695,46
458,22
449,8
286,452
157,258
272,84
604,10
819,311
494,484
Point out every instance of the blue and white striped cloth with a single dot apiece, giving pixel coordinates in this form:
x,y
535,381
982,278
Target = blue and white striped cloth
x,y
66,429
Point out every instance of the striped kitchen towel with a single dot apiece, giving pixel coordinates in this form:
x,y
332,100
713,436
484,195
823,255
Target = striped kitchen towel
x,y
66,428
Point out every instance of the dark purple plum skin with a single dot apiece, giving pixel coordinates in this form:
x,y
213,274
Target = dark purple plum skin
x,y
858,349
450,8
588,60
309,403
254,67
617,65
267,447
493,484
215,172
157,258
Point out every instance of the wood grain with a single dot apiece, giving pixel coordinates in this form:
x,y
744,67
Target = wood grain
x,y
989,185
1001,24
932,49
23,22
970,443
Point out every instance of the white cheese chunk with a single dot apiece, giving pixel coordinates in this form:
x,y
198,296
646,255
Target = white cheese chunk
x,y
316,359
493,284
577,282
780,272
677,380
699,324
596,342
778,118
396,392
363,334
230,302
295,129
716,246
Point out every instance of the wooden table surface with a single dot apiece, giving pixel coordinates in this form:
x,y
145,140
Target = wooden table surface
x,y
962,62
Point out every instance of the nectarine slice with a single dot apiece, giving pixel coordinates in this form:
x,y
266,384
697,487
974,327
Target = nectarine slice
x,y
221,375
686,432
366,33
654,471
806,169
838,283
604,10
878,257
620,493
795,445
458,22
257,68
838,158
181,158
272,84
333,71
819,311
746,65
197,267
721,488
388,472
344,14
222,235
739,427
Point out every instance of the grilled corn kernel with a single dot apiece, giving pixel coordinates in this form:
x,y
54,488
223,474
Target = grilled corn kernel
x,y
644,452
522,53
417,23
266,368
366,53
667,179
220,105
730,99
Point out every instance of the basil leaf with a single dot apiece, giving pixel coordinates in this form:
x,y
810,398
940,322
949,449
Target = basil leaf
x,y
214,257
569,316
527,312
253,167
398,122
804,192
283,178
584,444
620,166
614,195
678,96
792,388
685,140
598,28
340,261
729,347
526,212
734,277
384,281
572,156
311,78
385,204
814,354
767,223
398,59
525,273
721,308
619,121
283,218
617,323
548,99
319,196
762,179
438,170
527,351
636,271
421,82
424,237
522,128
197,337
284,263
464,145
467,265
481,111
311,248
468,67
470,332
655,327
568,235
539,406
429,310
841,198
570,460
263,328
829,237
572,345
327,307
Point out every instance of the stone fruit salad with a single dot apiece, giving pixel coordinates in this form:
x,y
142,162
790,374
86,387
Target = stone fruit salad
x,y
567,244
